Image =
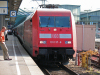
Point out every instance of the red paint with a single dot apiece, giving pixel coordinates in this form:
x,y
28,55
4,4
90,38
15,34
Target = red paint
x,y
31,33
79,60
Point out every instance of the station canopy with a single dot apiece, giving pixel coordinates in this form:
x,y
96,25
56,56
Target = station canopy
x,y
21,16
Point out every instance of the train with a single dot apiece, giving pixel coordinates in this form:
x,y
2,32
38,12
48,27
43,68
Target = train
x,y
49,35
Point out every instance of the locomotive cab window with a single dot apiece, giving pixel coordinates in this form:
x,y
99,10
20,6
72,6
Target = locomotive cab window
x,y
49,21
46,21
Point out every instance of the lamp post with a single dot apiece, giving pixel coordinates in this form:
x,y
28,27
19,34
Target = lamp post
x,y
87,15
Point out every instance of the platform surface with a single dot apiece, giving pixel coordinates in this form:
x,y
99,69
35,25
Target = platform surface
x,y
21,63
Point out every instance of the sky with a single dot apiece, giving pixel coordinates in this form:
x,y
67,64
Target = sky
x,y
84,4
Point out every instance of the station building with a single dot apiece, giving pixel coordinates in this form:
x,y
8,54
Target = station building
x,y
91,18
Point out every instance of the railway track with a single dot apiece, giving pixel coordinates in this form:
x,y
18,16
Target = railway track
x,y
57,70
95,65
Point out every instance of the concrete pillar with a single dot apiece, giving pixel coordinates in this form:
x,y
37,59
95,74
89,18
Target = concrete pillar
x,y
6,23
97,30
2,21
97,26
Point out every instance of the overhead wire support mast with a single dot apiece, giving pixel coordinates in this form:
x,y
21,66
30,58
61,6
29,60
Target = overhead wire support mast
x,y
87,15
43,2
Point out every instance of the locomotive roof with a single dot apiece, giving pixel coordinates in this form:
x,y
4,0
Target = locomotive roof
x,y
56,9
46,9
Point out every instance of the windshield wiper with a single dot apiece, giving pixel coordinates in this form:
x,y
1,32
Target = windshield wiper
x,y
48,22
62,26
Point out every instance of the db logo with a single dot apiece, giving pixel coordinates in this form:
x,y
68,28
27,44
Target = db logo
x,y
55,35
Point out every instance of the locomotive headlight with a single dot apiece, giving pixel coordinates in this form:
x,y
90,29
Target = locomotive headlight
x,y
67,42
43,42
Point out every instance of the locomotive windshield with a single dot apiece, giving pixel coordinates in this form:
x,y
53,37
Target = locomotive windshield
x,y
50,21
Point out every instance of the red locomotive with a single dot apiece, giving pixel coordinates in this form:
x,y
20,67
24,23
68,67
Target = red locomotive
x,y
49,35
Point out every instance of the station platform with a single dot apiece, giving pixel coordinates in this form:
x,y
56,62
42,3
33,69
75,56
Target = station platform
x,y
21,63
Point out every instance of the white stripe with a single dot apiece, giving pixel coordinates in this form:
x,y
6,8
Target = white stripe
x,y
17,66
55,36
45,35
65,35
